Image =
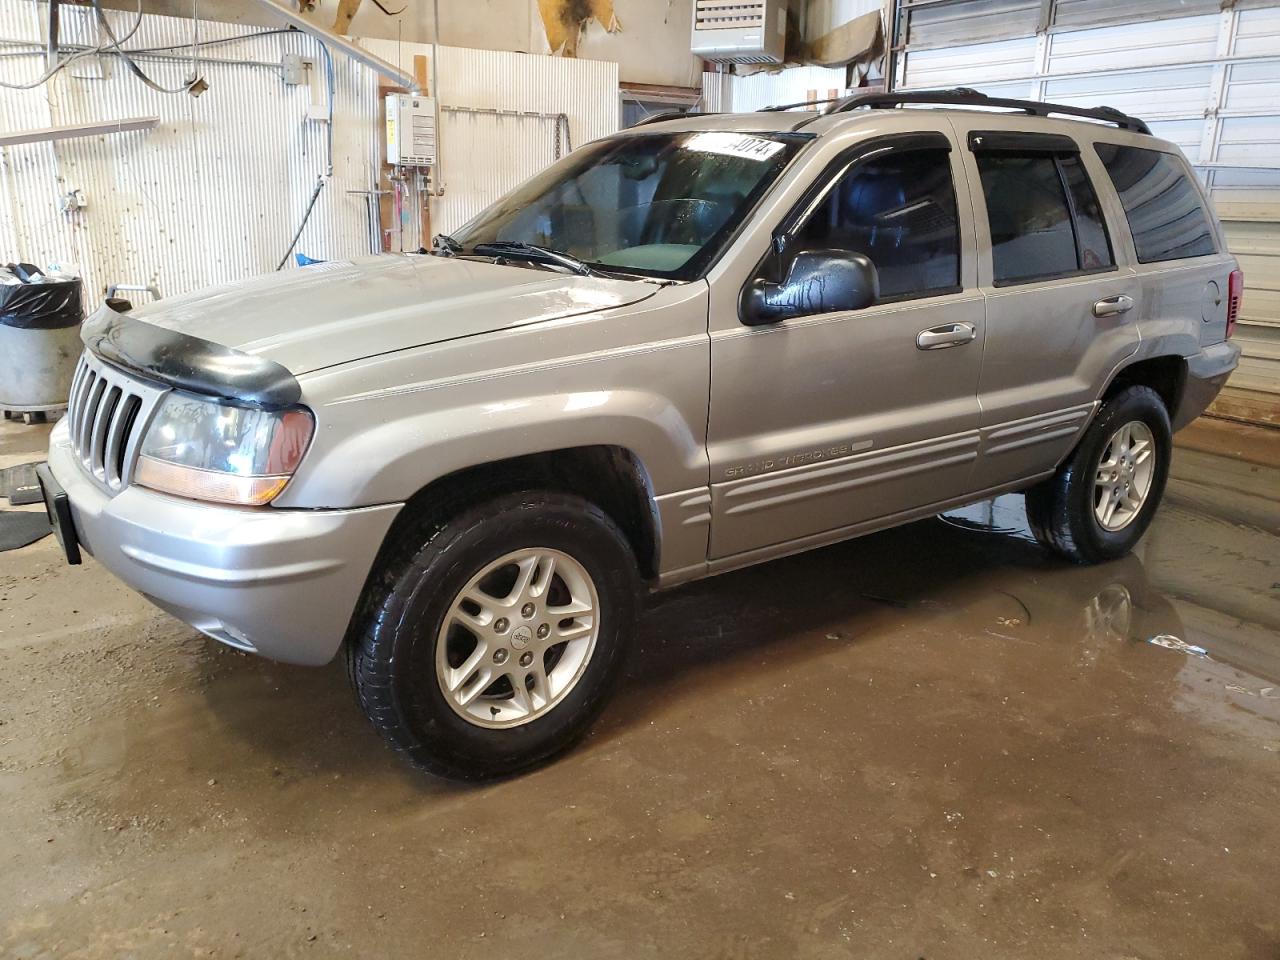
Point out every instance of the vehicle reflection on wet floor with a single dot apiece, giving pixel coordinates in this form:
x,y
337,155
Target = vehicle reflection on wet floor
x,y
932,741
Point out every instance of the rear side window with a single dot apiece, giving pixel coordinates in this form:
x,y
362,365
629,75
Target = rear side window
x,y
1163,206
1043,215
899,210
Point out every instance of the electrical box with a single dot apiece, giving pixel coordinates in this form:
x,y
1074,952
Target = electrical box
x,y
411,130
294,69
740,31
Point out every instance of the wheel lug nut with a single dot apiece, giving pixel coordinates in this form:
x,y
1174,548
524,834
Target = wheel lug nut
x,y
500,656
528,610
526,658
543,631
501,625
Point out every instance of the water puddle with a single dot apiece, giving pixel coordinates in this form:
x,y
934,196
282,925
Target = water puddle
x,y
1198,583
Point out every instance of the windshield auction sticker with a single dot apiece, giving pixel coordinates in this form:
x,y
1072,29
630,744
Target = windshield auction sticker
x,y
734,145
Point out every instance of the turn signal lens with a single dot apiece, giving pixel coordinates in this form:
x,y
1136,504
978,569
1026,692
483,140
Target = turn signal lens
x,y
207,484
1235,290
206,450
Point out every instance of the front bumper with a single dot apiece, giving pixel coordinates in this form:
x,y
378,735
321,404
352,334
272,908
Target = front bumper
x,y
282,583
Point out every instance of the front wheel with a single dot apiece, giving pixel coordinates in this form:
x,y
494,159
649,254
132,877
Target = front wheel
x,y
1102,499
497,634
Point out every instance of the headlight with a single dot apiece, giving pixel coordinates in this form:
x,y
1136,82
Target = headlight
x,y
207,450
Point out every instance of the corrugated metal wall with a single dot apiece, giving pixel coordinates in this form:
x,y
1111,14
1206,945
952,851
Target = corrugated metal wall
x,y
216,191
716,95
1210,82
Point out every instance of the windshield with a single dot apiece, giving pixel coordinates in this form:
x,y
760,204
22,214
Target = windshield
x,y
660,205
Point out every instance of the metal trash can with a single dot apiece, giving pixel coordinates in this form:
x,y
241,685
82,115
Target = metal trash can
x,y
40,318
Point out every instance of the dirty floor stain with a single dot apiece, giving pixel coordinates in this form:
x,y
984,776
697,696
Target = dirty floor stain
x,y
932,742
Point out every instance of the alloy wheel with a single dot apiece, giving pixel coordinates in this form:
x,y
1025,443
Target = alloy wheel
x,y
1124,476
517,638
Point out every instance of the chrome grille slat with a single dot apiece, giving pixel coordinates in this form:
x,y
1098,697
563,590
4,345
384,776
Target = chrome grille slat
x,y
121,421
108,400
76,403
75,387
107,414
85,387
91,404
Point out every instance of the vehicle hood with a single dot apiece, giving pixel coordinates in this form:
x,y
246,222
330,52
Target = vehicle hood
x,y
336,312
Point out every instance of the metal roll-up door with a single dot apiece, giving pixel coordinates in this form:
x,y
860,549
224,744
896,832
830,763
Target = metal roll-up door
x,y
1204,77
1075,14
941,23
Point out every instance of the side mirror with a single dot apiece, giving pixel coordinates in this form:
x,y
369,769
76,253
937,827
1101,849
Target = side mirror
x,y
818,281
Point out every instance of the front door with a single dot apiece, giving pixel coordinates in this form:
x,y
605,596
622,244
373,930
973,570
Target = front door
x,y
825,422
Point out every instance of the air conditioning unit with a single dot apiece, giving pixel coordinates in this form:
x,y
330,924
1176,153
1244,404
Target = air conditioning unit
x,y
740,31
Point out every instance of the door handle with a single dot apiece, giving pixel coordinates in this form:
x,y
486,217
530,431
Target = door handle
x,y
947,335
1113,306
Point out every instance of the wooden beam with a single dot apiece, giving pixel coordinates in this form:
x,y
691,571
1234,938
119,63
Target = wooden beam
x,y
92,129
347,10
420,74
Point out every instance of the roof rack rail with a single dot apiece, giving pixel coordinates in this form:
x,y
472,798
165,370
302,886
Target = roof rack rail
x,y
780,107
665,115
968,97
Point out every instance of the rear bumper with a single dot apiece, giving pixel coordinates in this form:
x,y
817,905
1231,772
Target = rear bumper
x,y
1207,372
282,583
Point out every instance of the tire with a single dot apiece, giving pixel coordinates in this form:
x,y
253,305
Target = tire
x,y
1063,511
414,638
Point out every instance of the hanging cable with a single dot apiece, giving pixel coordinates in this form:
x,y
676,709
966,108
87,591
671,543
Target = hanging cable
x,y
79,55
195,41
128,61
305,217
37,48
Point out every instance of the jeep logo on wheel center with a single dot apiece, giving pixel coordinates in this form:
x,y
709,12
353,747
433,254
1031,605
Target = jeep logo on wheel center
x,y
520,637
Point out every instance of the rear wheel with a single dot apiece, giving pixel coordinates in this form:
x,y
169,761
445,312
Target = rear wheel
x,y
1102,499
497,634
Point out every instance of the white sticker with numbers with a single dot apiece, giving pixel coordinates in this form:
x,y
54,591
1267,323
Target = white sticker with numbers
x,y
734,145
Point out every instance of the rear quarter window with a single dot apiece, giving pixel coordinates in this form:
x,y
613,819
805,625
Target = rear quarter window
x,y
1163,207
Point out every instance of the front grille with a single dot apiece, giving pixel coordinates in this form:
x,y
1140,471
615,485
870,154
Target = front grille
x,y
107,413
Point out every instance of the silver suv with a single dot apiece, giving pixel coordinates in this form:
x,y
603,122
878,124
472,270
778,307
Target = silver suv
x,y
697,345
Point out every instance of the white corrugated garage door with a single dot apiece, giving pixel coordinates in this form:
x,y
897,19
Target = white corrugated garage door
x,y
1204,73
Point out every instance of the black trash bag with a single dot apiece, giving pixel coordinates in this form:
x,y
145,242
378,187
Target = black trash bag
x,y
32,300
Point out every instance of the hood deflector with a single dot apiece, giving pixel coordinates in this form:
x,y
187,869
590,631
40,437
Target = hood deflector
x,y
189,363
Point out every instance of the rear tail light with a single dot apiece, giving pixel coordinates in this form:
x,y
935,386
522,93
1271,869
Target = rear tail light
x,y
1235,290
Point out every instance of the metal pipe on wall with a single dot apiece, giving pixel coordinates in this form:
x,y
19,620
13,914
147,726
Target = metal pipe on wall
x,y
51,48
437,175
34,51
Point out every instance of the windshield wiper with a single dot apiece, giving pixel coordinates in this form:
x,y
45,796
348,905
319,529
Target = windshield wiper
x,y
442,241
534,254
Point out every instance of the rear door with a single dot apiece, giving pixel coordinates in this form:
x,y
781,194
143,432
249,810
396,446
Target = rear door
x,y
1062,302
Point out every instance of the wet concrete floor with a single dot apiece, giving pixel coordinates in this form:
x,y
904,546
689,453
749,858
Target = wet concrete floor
x,y
932,742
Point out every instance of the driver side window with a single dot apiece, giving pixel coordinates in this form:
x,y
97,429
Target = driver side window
x,y
898,210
